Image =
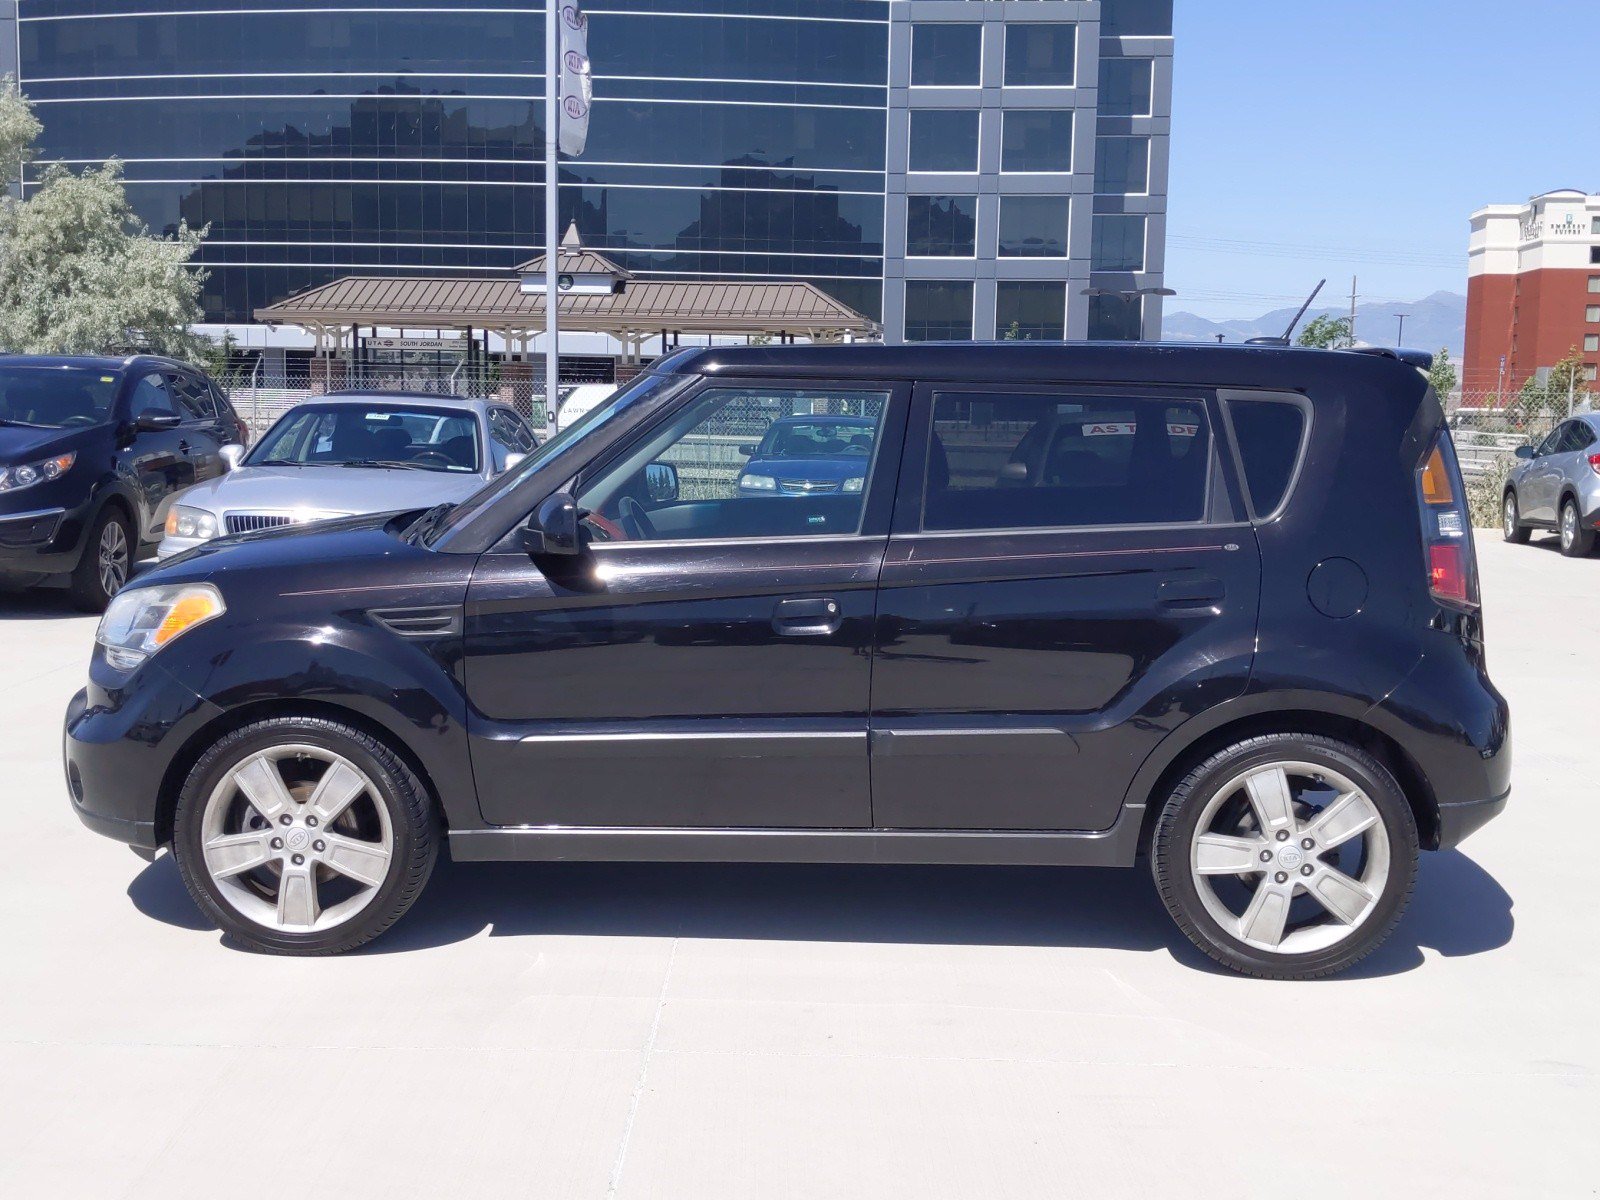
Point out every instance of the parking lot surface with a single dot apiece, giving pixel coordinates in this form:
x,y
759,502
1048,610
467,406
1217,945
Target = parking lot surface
x,y
645,1031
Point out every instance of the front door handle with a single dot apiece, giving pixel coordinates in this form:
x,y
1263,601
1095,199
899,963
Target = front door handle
x,y
811,617
1192,593
183,445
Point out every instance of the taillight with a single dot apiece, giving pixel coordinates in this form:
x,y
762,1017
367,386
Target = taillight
x,y
1446,532
1594,463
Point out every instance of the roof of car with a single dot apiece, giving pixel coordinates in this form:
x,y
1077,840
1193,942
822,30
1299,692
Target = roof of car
x,y
1195,363
428,399
96,362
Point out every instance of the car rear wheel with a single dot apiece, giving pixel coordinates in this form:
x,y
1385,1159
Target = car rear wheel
x,y
1287,856
1577,540
106,563
304,836
1515,530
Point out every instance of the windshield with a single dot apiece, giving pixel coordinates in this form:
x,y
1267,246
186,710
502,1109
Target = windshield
x,y
639,390
56,397
343,435
819,439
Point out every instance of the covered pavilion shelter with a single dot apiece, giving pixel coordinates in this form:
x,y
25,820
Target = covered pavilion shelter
x,y
598,296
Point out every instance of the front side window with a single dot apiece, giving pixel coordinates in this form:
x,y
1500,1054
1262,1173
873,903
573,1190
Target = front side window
x,y
1006,461
1036,140
743,463
150,394
57,397
1551,443
946,55
938,310
944,139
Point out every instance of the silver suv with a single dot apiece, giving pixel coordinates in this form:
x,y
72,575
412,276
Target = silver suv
x,y
1557,486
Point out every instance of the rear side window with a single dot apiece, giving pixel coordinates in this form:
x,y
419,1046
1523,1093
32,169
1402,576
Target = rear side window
x,y
1008,461
1270,434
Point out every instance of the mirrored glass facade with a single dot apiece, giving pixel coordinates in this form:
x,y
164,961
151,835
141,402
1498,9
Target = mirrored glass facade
x,y
744,139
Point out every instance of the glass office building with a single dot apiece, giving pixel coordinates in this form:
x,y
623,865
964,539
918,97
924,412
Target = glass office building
x,y
955,168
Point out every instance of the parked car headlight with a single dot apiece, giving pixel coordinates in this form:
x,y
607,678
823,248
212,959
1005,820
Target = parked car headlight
x,y
758,483
141,621
14,479
183,522
854,485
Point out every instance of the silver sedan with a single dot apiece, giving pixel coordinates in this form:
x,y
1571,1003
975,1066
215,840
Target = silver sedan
x,y
1556,485
351,453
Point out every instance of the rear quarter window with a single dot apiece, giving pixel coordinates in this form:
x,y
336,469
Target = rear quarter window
x,y
1270,435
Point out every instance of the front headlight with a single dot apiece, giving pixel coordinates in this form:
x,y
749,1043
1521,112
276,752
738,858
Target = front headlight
x,y
184,522
854,485
141,621
758,483
14,479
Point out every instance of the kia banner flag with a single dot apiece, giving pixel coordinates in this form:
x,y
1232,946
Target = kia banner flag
x,y
576,85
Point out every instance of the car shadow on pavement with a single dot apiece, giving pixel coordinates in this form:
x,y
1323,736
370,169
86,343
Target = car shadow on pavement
x,y
51,603
1458,909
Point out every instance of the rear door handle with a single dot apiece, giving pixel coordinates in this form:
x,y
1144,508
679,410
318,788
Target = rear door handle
x,y
811,617
1191,593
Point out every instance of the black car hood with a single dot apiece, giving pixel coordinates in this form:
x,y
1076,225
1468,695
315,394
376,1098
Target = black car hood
x,y
24,444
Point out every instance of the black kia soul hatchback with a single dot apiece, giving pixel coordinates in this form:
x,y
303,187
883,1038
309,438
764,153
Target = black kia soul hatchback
x,y
1078,605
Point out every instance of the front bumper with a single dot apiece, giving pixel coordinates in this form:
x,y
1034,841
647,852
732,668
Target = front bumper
x,y
118,746
171,547
39,542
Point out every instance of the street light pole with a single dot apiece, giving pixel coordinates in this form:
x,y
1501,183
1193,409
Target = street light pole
x,y
552,213
1400,340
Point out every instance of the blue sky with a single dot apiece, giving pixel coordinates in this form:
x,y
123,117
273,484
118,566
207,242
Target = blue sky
x,y
1331,139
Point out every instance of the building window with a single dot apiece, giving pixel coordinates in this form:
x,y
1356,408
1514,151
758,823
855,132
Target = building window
x,y
1122,166
1030,311
1136,18
1591,342
946,55
944,139
1594,255
1594,285
1034,226
1034,140
1127,87
1592,315
1591,373
1118,243
1116,318
941,226
1041,55
938,310
1594,225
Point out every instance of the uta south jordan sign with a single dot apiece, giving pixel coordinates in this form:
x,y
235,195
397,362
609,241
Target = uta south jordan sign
x,y
391,343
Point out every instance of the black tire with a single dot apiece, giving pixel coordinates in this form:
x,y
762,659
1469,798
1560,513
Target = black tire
x,y
1176,827
412,815
88,589
1513,530
1577,539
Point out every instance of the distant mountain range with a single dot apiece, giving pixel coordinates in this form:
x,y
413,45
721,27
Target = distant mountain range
x,y
1439,320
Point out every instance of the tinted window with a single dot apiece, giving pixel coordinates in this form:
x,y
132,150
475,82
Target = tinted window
x,y
1550,443
740,463
1036,140
1041,55
193,397
944,139
1577,437
938,310
1127,87
941,226
150,394
1122,166
946,55
1269,436
1118,243
1033,462
56,397
1136,18
1034,226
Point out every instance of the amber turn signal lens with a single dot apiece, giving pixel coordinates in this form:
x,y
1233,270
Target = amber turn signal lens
x,y
189,611
1436,487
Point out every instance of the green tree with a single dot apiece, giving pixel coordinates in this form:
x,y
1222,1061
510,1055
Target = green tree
x,y
1014,334
79,272
1443,375
19,129
1327,333
1544,403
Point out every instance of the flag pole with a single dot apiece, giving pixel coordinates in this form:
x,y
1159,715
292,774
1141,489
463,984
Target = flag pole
x,y
552,212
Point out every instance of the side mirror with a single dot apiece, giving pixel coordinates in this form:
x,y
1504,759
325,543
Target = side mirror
x,y
661,482
554,528
1525,452
749,451
511,461
232,456
1014,472
153,420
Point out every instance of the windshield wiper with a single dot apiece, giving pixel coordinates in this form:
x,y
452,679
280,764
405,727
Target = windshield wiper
x,y
276,462
376,462
25,424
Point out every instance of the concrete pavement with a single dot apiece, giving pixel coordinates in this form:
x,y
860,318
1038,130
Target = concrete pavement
x,y
592,1031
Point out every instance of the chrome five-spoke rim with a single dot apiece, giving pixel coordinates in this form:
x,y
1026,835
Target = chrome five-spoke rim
x,y
113,558
1511,515
296,838
1290,858
1569,525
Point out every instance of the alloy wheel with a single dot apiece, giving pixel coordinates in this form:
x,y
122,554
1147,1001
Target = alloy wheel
x,y
1511,516
1290,858
113,558
296,839
1569,526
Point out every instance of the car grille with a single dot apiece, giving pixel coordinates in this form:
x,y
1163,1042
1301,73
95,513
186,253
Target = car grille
x,y
250,522
808,487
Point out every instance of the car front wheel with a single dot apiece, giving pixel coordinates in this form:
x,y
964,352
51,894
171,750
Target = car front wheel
x,y
304,836
1286,856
